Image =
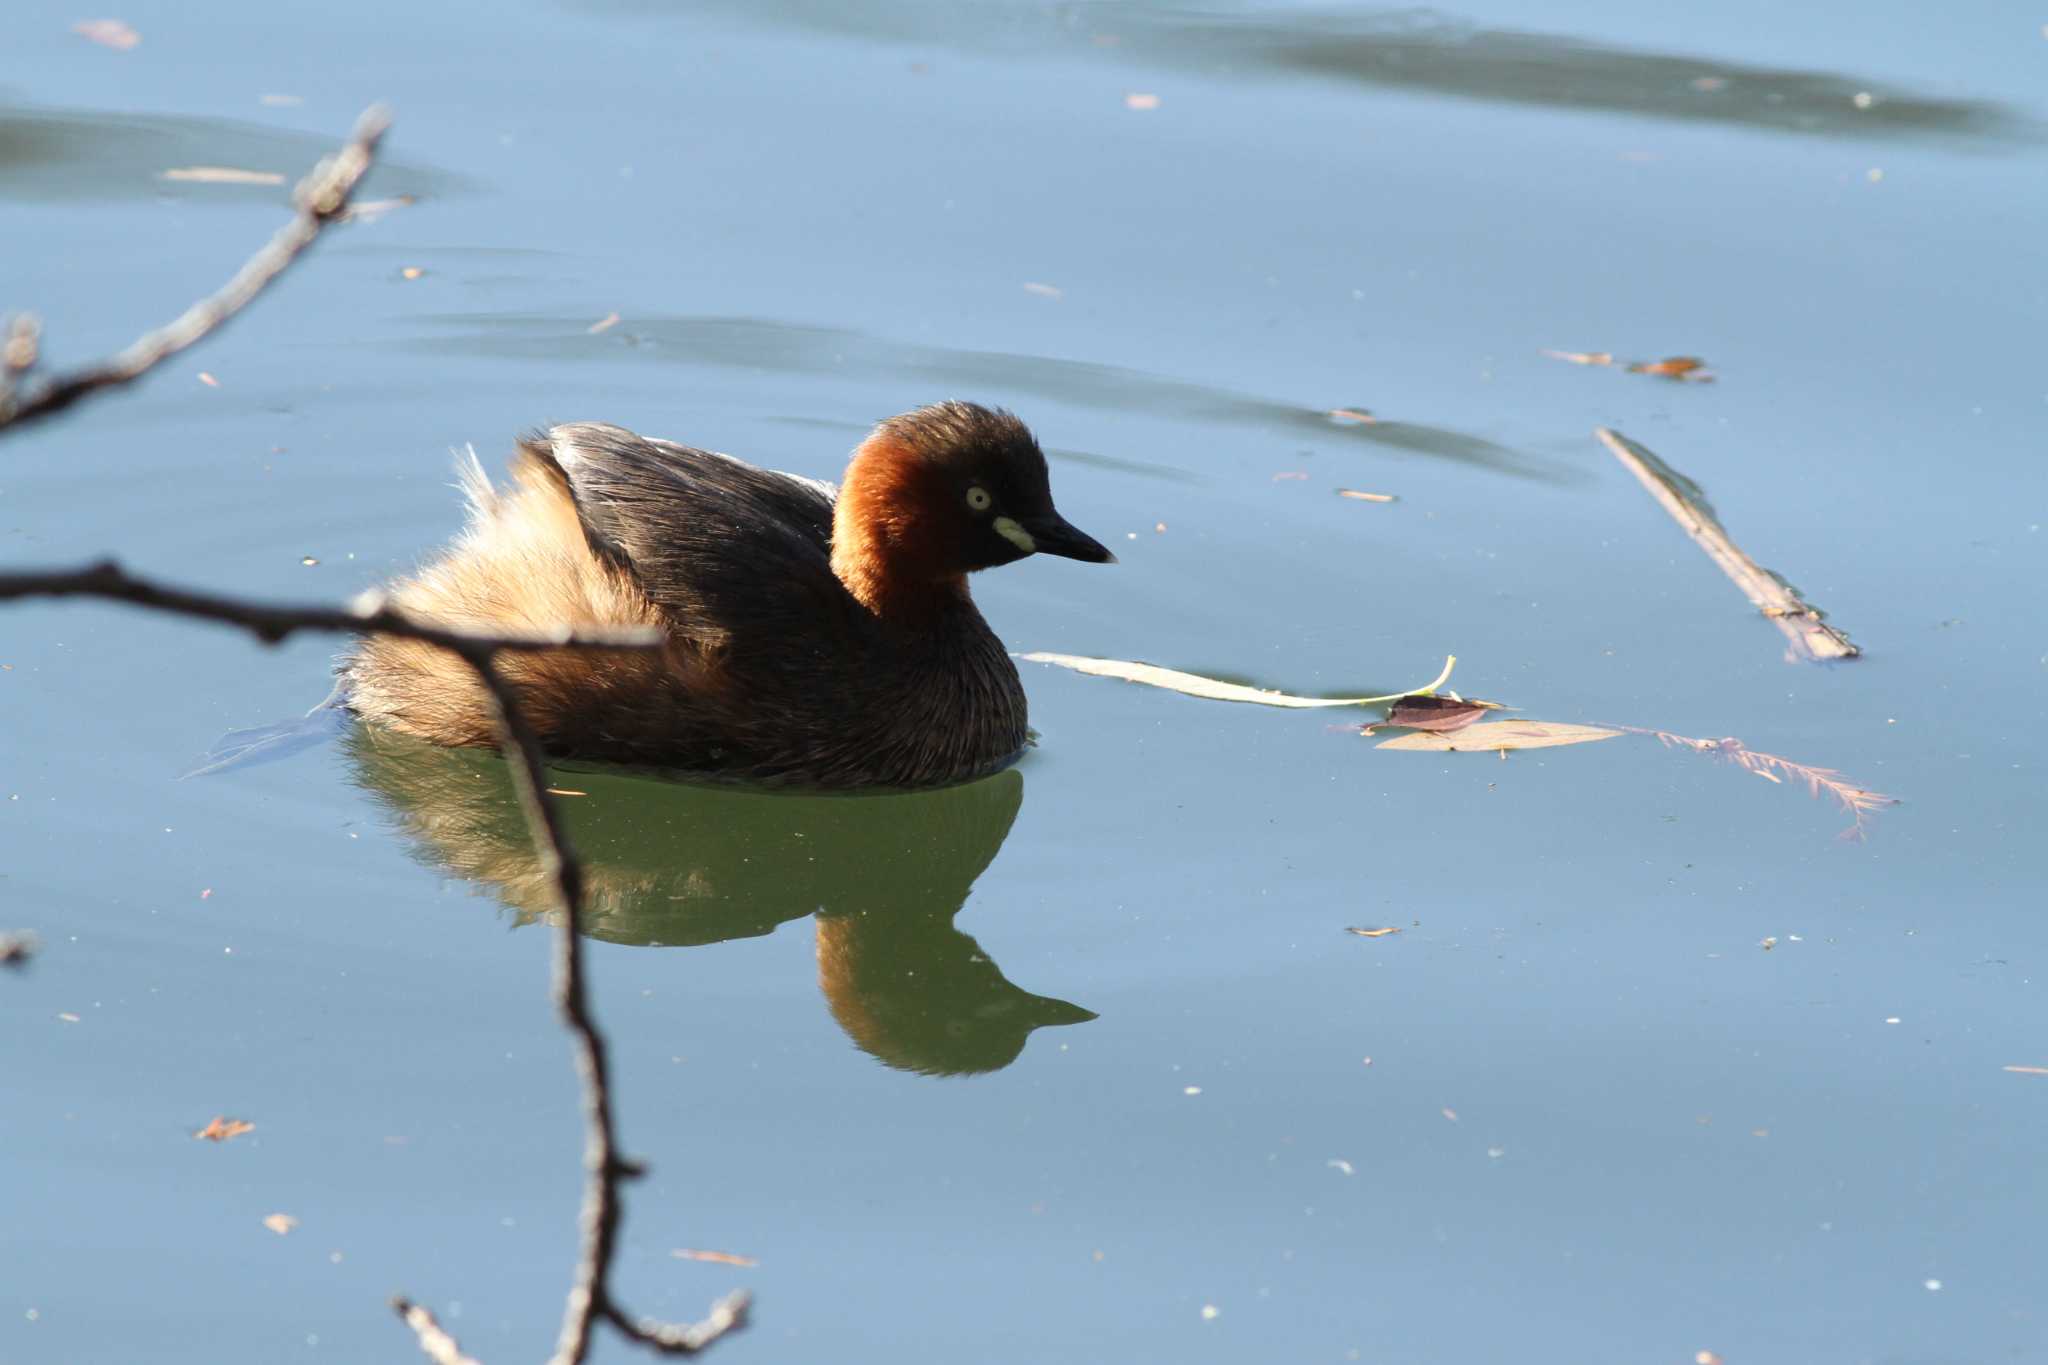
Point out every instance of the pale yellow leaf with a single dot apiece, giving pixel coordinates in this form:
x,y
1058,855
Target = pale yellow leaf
x,y
1491,736
1214,689
223,175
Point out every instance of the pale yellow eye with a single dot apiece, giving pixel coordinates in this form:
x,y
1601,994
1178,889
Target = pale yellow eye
x,y
978,498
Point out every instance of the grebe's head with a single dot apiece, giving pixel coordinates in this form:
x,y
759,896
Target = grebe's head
x,y
940,492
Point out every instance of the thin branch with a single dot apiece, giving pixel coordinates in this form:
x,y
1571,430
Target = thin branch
x,y
273,622
439,1347
1802,623
604,1168
729,1314
321,198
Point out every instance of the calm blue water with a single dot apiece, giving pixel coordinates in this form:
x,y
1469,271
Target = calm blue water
x,y
1065,1061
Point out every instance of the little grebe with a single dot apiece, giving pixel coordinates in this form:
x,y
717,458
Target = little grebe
x,y
817,638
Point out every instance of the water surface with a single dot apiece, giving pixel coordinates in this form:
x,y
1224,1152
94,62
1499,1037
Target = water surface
x,y
1078,1063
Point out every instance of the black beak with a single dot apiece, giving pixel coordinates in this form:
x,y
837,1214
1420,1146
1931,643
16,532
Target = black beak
x,y
1053,534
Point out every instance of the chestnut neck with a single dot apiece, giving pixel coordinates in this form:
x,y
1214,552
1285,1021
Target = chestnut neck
x,y
882,546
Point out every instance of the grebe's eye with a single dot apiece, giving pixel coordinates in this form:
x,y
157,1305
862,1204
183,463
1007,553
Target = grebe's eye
x,y
979,499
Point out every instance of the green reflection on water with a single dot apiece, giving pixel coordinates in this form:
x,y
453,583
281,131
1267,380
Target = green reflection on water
x,y
669,864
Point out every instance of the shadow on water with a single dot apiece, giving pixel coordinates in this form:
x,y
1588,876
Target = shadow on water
x,y
1414,50
59,155
781,347
673,865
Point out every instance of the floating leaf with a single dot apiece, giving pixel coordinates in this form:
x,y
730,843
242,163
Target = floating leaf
x,y
1686,503
220,1129
719,1257
1195,685
1501,734
221,175
1440,714
1371,933
1671,367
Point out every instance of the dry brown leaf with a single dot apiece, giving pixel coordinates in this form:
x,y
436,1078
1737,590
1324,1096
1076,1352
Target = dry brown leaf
x,y
1365,497
1671,367
221,175
1372,933
1501,735
112,33
1443,715
280,1223
1583,357
718,1257
220,1129
1357,416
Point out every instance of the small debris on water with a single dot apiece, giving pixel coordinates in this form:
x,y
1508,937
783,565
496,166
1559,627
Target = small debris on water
x,y
208,380
1672,367
280,1223
308,560
603,324
1210,1312
716,1257
1337,1163
1372,933
112,33
411,272
1582,357
1353,417
1366,497
1141,100
1044,291
220,1128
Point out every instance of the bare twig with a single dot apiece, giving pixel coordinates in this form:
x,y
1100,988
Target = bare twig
x,y
321,198
729,1314
604,1168
1811,636
271,623
439,1347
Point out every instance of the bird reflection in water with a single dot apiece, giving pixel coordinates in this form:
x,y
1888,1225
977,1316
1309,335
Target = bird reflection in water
x,y
668,864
